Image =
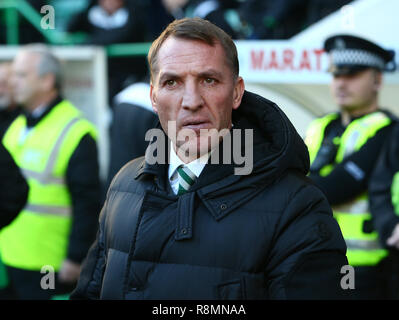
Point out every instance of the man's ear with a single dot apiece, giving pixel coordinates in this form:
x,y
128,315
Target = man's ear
x,y
153,99
238,92
47,81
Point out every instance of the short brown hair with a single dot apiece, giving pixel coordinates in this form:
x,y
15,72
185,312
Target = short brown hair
x,y
195,29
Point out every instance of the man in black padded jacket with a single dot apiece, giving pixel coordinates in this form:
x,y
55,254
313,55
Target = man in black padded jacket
x,y
188,227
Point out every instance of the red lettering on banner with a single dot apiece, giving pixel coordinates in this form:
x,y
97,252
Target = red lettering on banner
x,y
286,59
305,63
273,64
318,53
257,59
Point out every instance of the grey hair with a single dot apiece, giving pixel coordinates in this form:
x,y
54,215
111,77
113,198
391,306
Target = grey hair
x,y
48,62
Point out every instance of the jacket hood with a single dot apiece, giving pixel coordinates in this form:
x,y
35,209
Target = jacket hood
x,y
277,146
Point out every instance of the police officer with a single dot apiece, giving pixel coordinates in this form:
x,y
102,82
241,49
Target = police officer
x,y
343,148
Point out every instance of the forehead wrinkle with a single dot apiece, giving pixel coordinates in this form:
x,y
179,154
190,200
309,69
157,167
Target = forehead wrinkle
x,y
192,63
182,56
186,49
173,60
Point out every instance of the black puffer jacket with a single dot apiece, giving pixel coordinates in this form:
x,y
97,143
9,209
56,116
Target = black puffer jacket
x,y
269,234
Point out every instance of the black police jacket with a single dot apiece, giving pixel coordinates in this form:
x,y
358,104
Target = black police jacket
x,y
266,235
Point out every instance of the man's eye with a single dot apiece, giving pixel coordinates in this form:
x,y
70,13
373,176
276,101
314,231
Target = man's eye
x,y
170,83
209,80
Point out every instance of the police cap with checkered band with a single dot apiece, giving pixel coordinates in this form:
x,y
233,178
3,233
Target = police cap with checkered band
x,y
350,54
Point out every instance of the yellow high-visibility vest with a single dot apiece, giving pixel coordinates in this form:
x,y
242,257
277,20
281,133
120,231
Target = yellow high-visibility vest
x,y
38,236
364,248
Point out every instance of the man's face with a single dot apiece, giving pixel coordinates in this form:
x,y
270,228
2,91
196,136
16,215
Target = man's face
x,y
356,91
5,87
25,80
195,87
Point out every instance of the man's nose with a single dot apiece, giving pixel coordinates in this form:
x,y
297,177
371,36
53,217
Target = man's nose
x,y
192,98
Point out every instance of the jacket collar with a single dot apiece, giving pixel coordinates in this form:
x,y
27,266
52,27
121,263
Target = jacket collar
x,y
31,120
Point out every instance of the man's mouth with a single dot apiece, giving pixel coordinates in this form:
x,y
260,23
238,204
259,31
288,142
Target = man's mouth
x,y
196,124
342,95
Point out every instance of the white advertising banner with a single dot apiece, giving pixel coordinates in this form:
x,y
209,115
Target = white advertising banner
x,y
282,62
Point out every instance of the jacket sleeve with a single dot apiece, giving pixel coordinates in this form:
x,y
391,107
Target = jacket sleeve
x,y
90,280
380,195
308,250
13,188
350,178
84,186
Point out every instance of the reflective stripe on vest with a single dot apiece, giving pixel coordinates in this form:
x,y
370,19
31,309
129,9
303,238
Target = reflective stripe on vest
x,y
363,248
315,134
365,252
362,257
54,210
359,131
46,177
39,234
395,192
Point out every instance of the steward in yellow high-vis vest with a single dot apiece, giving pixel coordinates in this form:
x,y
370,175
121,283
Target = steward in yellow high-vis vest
x,y
39,235
56,150
344,147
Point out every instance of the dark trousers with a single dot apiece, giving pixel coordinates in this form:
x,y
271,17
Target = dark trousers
x,y
26,285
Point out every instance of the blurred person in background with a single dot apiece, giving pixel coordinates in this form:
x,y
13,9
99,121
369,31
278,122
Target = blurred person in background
x,y
175,7
156,16
8,108
133,116
215,11
384,206
13,196
273,19
344,147
109,22
55,147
